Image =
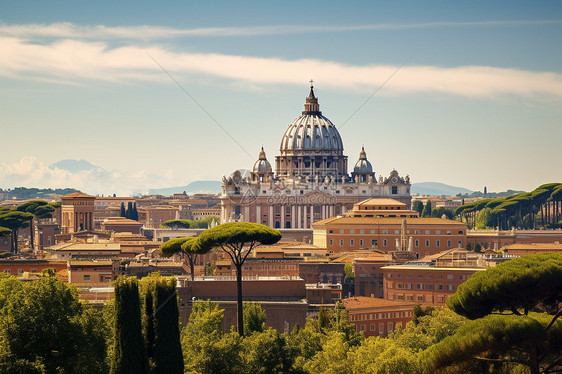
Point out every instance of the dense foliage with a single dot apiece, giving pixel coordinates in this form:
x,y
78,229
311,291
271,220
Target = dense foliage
x,y
44,328
541,208
188,223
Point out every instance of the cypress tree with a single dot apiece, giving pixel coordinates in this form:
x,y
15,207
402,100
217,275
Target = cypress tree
x,y
129,354
168,356
129,210
136,213
148,322
123,212
427,209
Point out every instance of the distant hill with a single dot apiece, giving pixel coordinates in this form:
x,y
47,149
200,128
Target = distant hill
x,y
435,188
193,187
74,166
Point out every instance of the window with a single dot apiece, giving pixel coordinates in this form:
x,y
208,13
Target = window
x,y
381,328
352,231
20,271
409,286
351,243
429,276
416,232
374,242
390,275
394,190
341,242
437,232
419,286
361,231
438,243
449,276
389,327
460,244
417,243
427,243
384,242
426,232
460,232
361,242
396,232
330,231
341,231
372,231
86,277
7,271
460,277
385,231
450,287
372,327
362,327
449,244
331,242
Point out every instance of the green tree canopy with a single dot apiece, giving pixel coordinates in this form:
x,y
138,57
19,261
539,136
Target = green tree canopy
x,y
517,286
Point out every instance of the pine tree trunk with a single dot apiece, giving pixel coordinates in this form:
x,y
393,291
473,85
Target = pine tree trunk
x,y
239,305
31,240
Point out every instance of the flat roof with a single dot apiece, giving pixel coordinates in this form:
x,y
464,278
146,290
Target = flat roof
x,y
427,267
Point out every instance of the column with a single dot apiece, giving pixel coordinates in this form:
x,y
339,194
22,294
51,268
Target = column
x,y
246,217
331,211
304,219
258,213
282,223
311,216
271,216
293,216
299,214
343,209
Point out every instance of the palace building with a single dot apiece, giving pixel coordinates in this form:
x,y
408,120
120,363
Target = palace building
x,y
310,181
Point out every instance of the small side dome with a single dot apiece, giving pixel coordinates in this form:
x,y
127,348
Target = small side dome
x,y
262,165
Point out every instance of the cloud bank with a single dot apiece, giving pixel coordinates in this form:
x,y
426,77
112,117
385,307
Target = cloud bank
x,y
32,172
77,62
148,32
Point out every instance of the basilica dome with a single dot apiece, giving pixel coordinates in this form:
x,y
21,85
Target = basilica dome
x,y
311,131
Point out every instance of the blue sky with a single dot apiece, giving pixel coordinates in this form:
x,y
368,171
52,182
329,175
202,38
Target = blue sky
x,y
477,103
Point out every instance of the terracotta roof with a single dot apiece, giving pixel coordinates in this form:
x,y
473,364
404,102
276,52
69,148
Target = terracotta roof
x,y
380,201
77,194
388,221
90,263
362,302
87,247
534,246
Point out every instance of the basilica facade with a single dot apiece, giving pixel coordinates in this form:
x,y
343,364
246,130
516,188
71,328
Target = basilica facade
x,y
310,181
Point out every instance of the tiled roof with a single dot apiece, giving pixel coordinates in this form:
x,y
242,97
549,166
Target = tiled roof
x,y
388,221
77,194
381,201
362,302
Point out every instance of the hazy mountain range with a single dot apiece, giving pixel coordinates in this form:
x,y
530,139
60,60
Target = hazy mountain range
x,y
423,188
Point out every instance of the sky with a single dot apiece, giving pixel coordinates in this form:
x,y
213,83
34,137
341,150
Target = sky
x,y
160,94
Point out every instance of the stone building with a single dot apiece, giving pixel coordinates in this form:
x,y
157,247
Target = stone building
x,y
310,181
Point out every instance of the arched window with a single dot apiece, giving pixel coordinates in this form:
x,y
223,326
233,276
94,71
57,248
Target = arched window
x,y
277,225
287,225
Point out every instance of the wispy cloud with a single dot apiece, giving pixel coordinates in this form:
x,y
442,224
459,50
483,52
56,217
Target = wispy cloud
x,y
86,61
148,32
29,171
